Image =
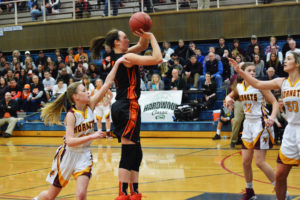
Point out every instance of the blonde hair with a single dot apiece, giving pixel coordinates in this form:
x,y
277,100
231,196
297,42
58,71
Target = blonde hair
x,y
86,85
50,114
152,78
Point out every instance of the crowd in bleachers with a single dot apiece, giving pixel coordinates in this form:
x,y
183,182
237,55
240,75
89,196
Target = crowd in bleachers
x,y
34,80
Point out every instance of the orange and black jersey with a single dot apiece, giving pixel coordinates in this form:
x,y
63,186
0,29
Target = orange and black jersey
x,y
127,81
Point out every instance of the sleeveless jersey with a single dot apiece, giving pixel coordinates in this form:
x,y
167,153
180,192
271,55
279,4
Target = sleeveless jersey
x,y
84,125
252,100
291,99
127,81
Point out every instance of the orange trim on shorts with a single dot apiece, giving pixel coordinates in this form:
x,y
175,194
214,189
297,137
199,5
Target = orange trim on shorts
x,y
61,179
133,115
132,84
87,170
288,161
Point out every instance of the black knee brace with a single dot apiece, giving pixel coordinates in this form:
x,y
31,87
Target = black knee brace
x,y
138,157
127,156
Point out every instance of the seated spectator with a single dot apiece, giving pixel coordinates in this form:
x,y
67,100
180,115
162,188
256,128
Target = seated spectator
x,y
221,47
71,80
275,63
53,70
63,66
79,54
5,69
82,9
23,78
8,114
29,61
292,45
256,52
177,83
273,43
250,50
48,83
209,92
192,72
180,51
200,57
70,53
79,72
3,87
58,89
9,75
106,62
280,122
57,61
17,54
36,9
167,50
259,67
14,90
84,61
27,54
87,84
177,65
65,76
190,51
42,59
71,63
270,74
286,46
215,68
278,54
25,102
2,62
15,62
212,50
58,54
93,72
237,50
36,94
156,83
53,6
17,67
39,71
226,117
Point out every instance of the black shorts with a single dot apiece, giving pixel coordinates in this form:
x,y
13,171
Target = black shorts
x,y
126,116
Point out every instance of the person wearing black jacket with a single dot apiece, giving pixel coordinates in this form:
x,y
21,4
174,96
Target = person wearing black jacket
x,y
192,71
209,92
180,51
177,83
8,114
250,49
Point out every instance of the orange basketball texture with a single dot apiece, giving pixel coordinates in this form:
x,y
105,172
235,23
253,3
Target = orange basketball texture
x,y
140,20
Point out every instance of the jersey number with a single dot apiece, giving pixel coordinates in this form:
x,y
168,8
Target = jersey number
x,y
248,107
292,106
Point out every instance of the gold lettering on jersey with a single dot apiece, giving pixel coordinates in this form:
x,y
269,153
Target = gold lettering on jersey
x,y
248,97
290,93
84,127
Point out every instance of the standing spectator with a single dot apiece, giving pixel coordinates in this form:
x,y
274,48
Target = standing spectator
x,y
259,67
192,72
167,50
226,66
79,72
148,4
221,47
36,93
3,87
177,83
156,83
226,117
286,46
204,4
212,50
65,76
275,63
215,68
280,122
180,51
250,49
82,9
79,54
273,43
292,45
58,89
7,7
53,6
8,114
42,59
48,83
275,51
114,5
209,92
36,9
237,50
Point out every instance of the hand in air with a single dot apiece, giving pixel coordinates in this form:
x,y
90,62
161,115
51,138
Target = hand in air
x,y
235,65
141,33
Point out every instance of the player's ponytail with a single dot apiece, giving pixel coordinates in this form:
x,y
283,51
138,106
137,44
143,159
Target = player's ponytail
x,y
51,112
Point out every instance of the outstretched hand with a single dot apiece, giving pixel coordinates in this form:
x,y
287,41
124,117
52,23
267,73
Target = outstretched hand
x,y
141,33
236,66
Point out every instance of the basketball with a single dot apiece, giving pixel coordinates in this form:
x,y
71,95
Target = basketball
x,y
140,20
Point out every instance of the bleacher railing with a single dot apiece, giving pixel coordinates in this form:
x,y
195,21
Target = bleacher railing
x,y
196,5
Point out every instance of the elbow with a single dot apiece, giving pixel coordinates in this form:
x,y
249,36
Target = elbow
x,y
69,143
159,60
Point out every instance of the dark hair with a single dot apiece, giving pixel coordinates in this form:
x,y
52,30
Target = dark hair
x,y
98,43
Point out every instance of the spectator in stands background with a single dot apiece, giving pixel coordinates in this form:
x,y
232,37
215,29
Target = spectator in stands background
x,y
156,83
42,59
27,54
17,67
226,67
280,122
79,54
70,53
286,46
273,43
36,9
292,45
270,74
9,75
84,62
237,50
57,61
71,63
275,63
36,94
148,4
114,5
209,92
63,66
3,87
259,67
221,47
5,69
190,51
14,62
8,114
58,89
39,71
23,79
106,62
215,68
250,49
14,90
200,57
53,70
65,76
275,51
168,51
48,83
79,72
176,65
87,84
82,9
2,62
53,6
226,117
93,72
180,51
177,83
29,61
7,7
212,50
204,4
192,72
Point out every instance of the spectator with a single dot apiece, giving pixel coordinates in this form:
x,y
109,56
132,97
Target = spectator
x,y
106,62
53,70
250,49
200,57
7,7
71,80
42,59
215,68
192,72
237,50
36,94
3,87
256,52
275,63
286,46
115,6
275,51
8,114
71,63
25,102
79,54
9,75
292,45
63,66
273,43
48,83
93,72
2,62
156,83
221,47
39,71
204,4
177,65
58,60
212,50
70,53
84,62
14,62
14,90
6,68
65,76
79,72
23,79
53,6
36,9
148,4
259,67
270,74
17,67
82,9
226,117
180,51
167,50
190,51
58,89
209,92
280,122
177,83
17,54
29,61
27,54
226,66
87,84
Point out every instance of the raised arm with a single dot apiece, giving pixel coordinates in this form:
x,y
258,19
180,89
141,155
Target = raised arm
x,y
262,85
275,106
142,45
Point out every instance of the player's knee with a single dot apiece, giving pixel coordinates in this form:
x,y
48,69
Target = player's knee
x,y
127,156
81,195
247,163
138,158
259,163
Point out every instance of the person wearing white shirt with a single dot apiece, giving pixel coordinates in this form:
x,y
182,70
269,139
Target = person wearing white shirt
x,y
48,83
58,89
292,44
168,51
277,52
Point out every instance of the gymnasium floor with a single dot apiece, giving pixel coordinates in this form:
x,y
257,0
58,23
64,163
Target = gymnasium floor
x,y
175,169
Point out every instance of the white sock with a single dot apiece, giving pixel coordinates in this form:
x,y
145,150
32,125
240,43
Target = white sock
x,y
249,185
218,131
35,198
273,183
107,130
